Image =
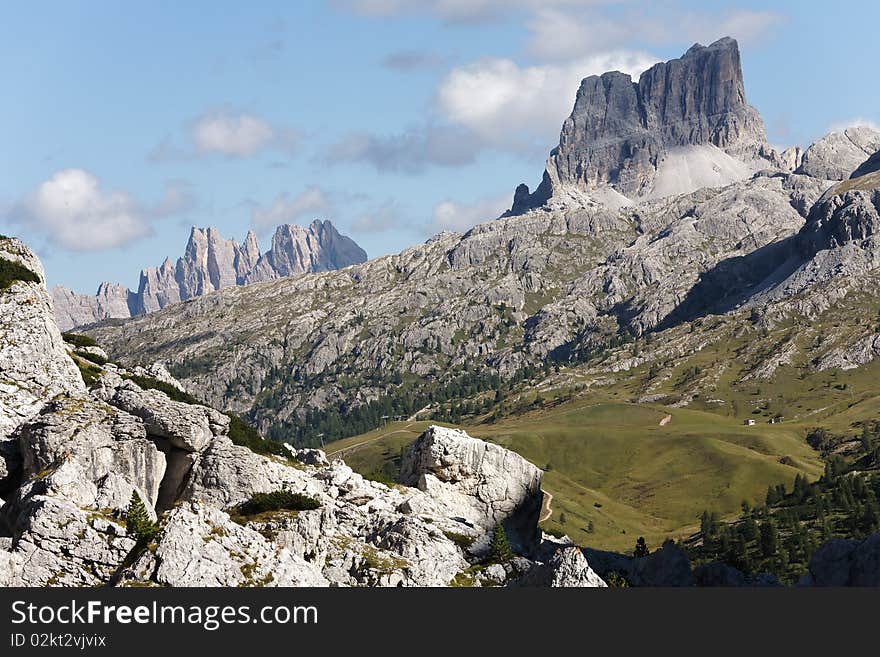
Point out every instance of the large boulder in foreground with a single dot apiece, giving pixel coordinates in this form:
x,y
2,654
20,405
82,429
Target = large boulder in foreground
x,y
480,482
842,562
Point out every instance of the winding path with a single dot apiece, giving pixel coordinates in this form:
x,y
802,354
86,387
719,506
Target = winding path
x,y
340,452
546,511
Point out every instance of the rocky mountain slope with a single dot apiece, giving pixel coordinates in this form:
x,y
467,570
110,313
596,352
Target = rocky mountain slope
x,y
126,481
554,284
78,463
212,263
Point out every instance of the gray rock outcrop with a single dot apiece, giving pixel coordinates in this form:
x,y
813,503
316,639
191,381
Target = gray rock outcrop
x,y
482,482
838,154
34,366
110,302
78,457
620,131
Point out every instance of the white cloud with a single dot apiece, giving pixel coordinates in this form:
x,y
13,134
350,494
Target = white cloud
x,y
458,11
75,213
225,132
236,135
380,219
854,123
177,198
555,34
285,210
459,217
408,152
503,102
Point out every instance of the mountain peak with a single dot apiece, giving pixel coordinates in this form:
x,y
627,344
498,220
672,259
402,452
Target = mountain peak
x,y
620,131
210,263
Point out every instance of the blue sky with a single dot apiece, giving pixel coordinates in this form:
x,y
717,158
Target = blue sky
x,y
124,124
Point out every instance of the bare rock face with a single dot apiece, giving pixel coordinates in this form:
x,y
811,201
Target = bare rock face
x,y
210,263
838,154
200,546
98,446
297,250
33,360
567,568
620,131
186,426
110,302
78,457
483,483
842,562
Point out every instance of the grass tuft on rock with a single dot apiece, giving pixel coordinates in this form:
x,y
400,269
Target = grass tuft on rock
x,y
97,359
78,340
11,272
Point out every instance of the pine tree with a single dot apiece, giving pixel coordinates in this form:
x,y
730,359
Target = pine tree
x,y
137,520
499,548
769,538
641,548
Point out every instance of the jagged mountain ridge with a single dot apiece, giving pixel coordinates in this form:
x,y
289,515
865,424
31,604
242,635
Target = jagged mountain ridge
x,y
211,263
550,284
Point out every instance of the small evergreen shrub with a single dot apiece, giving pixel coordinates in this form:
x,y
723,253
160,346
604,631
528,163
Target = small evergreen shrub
x,y
461,540
95,358
78,340
244,435
279,500
499,548
12,271
137,520
149,383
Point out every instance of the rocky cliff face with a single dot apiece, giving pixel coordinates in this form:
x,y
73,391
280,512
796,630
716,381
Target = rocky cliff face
x,y
74,458
838,154
34,366
212,263
690,112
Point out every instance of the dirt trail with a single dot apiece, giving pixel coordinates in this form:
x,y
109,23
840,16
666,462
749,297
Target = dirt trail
x,y
341,452
546,511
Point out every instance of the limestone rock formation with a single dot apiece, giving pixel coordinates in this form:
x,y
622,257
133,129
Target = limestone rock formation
x,y
110,302
482,482
34,365
210,263
688,115
838,154
567,568
76,458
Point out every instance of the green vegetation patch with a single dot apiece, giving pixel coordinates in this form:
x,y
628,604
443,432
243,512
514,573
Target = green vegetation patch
x,y
149,383
279,500
90,373
95,358
12,271
78,340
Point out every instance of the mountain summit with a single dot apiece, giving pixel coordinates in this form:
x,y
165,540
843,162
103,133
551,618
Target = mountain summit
x,y
683,125
210,263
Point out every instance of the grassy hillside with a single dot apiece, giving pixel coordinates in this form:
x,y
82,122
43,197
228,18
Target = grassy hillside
x,y
615,473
